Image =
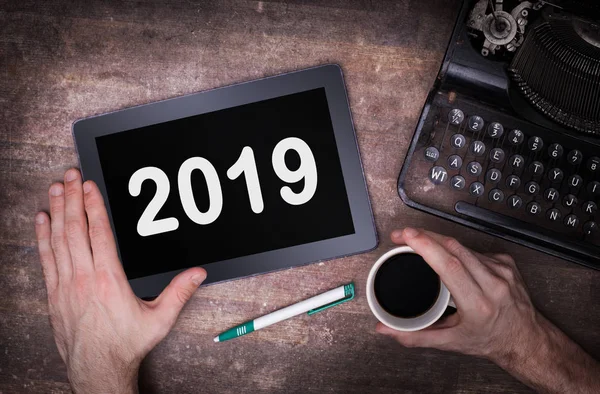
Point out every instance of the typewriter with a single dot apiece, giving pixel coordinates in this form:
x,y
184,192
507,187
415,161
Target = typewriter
x,y
508,141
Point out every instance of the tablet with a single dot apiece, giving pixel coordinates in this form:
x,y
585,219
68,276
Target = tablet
x,y
240,180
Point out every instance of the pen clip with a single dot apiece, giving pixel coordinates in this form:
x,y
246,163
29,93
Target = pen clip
x,y
348,295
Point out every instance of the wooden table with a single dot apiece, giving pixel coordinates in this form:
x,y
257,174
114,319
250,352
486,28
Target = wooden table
x,y
63,60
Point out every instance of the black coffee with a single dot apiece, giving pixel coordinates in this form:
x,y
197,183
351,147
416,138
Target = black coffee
x,y
406,286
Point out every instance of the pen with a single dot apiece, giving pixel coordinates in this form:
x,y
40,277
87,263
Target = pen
x,y
312,305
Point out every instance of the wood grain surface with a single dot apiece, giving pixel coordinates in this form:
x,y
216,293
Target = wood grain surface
x,y
64,60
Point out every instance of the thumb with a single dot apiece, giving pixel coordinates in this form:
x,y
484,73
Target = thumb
x,y
170,302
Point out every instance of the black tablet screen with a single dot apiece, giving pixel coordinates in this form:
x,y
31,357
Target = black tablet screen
x,y
225,184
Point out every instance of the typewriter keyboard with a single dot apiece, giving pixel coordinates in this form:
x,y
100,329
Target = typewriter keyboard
x,y
488,169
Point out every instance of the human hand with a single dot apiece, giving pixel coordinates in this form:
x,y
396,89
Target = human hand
x,y
495,318
102,330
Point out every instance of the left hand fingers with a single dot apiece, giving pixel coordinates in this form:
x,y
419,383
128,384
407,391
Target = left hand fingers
x,y
58,238
43,232
103,244
76,224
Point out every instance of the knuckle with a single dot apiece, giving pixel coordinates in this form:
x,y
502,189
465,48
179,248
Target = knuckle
x,y
506,271
484,307
452,245
501,289
453,265
506,258
183,295
57,240
73,228
97,230
423,240
72,191
92,202
57,207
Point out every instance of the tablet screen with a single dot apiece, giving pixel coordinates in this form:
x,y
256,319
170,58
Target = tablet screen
x,y
230,183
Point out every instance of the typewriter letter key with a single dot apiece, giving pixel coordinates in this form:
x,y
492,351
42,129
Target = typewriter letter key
x,y
477,148
513,182
593,164
514,202
534,208
432,154
555,151
574,157
454,161
590,207
551,194
456,116
590,228
458,141
575,181
474,168
475,123
438,175
553,214
569,201
495,130
516,162
572,221
493,175
532,188
516,137
535,144
476,189
556,175
594,188
457,182
496,195
497,155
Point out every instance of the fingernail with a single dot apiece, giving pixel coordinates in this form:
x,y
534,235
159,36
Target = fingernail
x,y
56,190
396,233
410,232
71,175
40,218
87,187
197,279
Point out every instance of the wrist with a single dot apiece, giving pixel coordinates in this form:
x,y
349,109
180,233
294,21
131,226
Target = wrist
x,y
114,384
532,342
110,377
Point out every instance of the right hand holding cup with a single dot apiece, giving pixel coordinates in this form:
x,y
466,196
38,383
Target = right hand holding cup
x,y
495,318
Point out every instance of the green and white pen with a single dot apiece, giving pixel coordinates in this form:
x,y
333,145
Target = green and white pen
x,y
312,305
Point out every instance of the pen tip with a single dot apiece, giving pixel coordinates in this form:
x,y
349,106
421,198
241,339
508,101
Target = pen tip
x,y
216,339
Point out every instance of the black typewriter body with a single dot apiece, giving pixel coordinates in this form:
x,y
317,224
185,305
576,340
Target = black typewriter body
x,y
508,141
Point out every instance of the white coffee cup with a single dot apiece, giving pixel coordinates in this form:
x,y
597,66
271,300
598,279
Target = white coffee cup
x,y
420,322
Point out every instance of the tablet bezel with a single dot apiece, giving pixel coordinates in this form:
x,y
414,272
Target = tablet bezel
x,y
328,76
